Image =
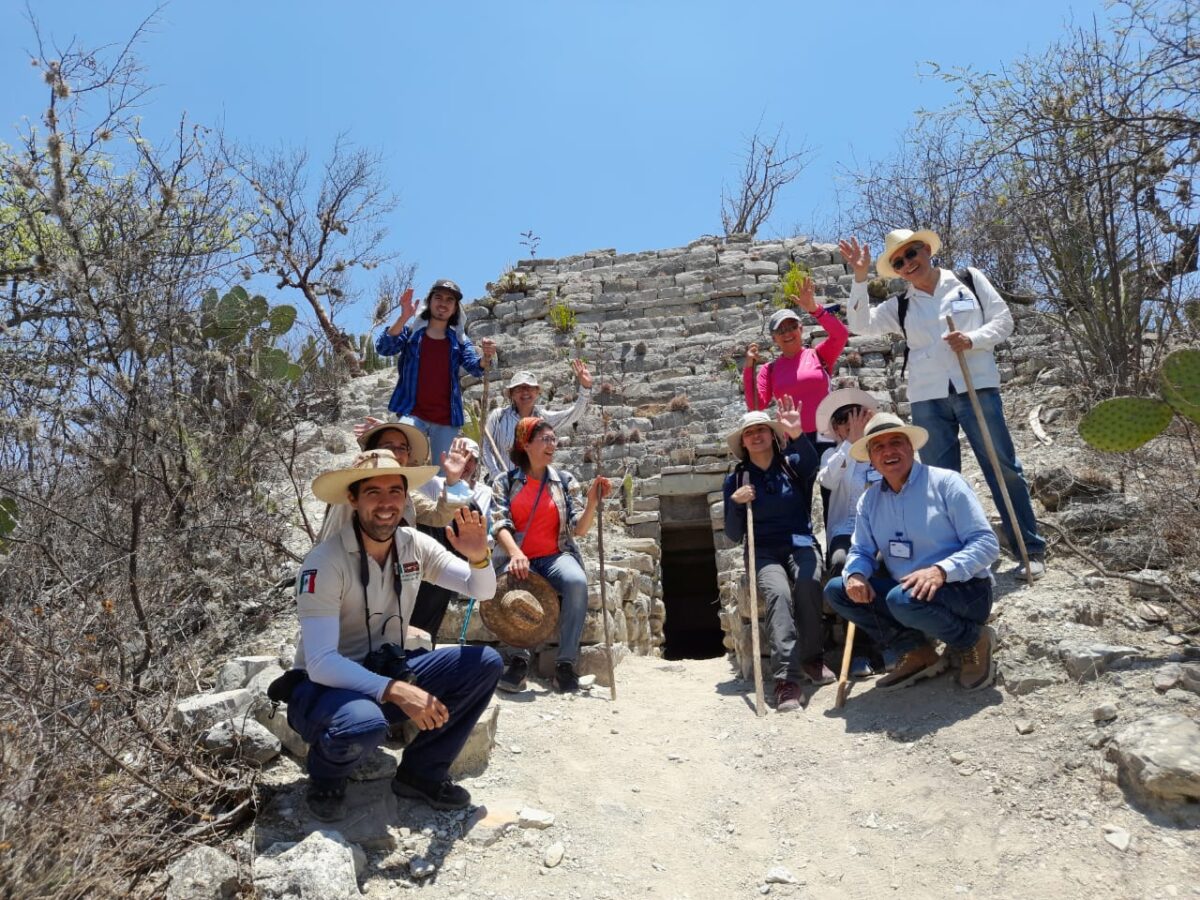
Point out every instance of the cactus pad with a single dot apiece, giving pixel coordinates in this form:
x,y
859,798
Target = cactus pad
x,y
1180,382
1124,423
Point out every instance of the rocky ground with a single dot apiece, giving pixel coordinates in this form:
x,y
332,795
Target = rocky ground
x,y
677,789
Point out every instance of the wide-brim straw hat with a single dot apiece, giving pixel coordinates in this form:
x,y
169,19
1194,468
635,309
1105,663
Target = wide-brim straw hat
x,y
418,444
523,613
518,379
896,239
734,440
836,400
887,423
333,486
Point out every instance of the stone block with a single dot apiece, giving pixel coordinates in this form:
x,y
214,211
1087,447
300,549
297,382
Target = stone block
x,y
242,738
322,865
205,710
760,267
1158,758
475,754
203,873
593,661
237,672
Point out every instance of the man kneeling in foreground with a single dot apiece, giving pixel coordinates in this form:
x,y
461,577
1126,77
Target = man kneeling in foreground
x,y
938,548
354,596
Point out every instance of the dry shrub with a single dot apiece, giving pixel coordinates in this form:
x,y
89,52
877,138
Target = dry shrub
x,y
679,403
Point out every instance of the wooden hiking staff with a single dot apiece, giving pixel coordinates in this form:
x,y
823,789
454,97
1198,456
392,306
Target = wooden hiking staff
x,y
843,688
991,454
760,705
612,678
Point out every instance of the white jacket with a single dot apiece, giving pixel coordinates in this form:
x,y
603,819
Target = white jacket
x,y
932,365
845,478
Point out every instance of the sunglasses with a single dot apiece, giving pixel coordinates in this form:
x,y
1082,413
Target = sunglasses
x,y
906,256
842,416
788,326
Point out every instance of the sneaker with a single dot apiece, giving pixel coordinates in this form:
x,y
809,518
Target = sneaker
x,y
1037,568
565,679
788,696
978,666
513,679
326,798
860,667
817,672
915,665
438,794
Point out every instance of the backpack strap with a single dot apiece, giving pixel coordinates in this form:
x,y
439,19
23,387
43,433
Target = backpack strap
x,y
963,275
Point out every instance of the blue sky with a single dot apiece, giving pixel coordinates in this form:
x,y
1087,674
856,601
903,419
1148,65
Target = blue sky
x,y
595,124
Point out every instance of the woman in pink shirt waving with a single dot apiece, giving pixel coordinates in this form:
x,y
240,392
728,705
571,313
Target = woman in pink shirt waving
x,y
800,372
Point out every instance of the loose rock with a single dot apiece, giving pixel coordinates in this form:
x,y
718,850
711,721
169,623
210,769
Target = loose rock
x,y
203,873
1158,758
553,855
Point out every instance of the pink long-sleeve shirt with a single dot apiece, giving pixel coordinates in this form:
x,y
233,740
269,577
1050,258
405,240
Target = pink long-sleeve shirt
x,y
803,377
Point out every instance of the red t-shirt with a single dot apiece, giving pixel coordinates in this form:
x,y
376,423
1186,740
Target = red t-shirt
x,y
541,538
433,381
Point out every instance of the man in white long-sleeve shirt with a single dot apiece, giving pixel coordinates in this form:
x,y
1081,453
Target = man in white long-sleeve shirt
x,y
354,596
936,388
523,392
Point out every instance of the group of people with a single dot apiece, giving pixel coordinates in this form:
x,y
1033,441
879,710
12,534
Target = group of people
x,y
909,548
414,520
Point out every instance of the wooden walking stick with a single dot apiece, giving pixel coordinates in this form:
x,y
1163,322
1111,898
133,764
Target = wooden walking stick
x,y
760,705
612,678
843,688
991,454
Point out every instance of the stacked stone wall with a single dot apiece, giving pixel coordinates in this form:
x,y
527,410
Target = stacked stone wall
x,y
664,332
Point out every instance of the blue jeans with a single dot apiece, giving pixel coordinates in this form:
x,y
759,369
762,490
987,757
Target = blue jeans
x,y
565,575
899,623
440,437
942,419
342,726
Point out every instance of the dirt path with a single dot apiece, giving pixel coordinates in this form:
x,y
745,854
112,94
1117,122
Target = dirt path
x,y
677,790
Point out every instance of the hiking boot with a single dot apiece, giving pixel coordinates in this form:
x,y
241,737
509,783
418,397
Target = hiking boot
x,y
326,798
915,665
817,672
513,679
565,679
1037,568
788,696
438,794
978,666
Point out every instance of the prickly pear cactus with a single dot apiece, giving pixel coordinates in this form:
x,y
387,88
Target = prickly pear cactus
x,y
1124,423
1179,382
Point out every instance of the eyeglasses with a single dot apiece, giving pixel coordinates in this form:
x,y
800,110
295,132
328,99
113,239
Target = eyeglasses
x,y
550,439
904,257
788,326
395,448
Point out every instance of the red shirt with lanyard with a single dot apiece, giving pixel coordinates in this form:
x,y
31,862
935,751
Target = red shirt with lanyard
x,y
541,534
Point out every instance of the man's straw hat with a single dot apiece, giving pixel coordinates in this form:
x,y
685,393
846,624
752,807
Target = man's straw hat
x,y
522,613
332,486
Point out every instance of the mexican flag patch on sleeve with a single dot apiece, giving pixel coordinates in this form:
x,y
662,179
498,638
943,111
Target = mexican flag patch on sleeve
x,y
308,582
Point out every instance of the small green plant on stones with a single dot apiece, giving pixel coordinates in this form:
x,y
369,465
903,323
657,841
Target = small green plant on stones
x,y
1126,423
792,284
562,317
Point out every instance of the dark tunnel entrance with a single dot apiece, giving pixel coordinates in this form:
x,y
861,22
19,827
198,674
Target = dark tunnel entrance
x,y
692,629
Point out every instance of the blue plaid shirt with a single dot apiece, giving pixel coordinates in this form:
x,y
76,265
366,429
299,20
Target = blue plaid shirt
x,y
407,345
